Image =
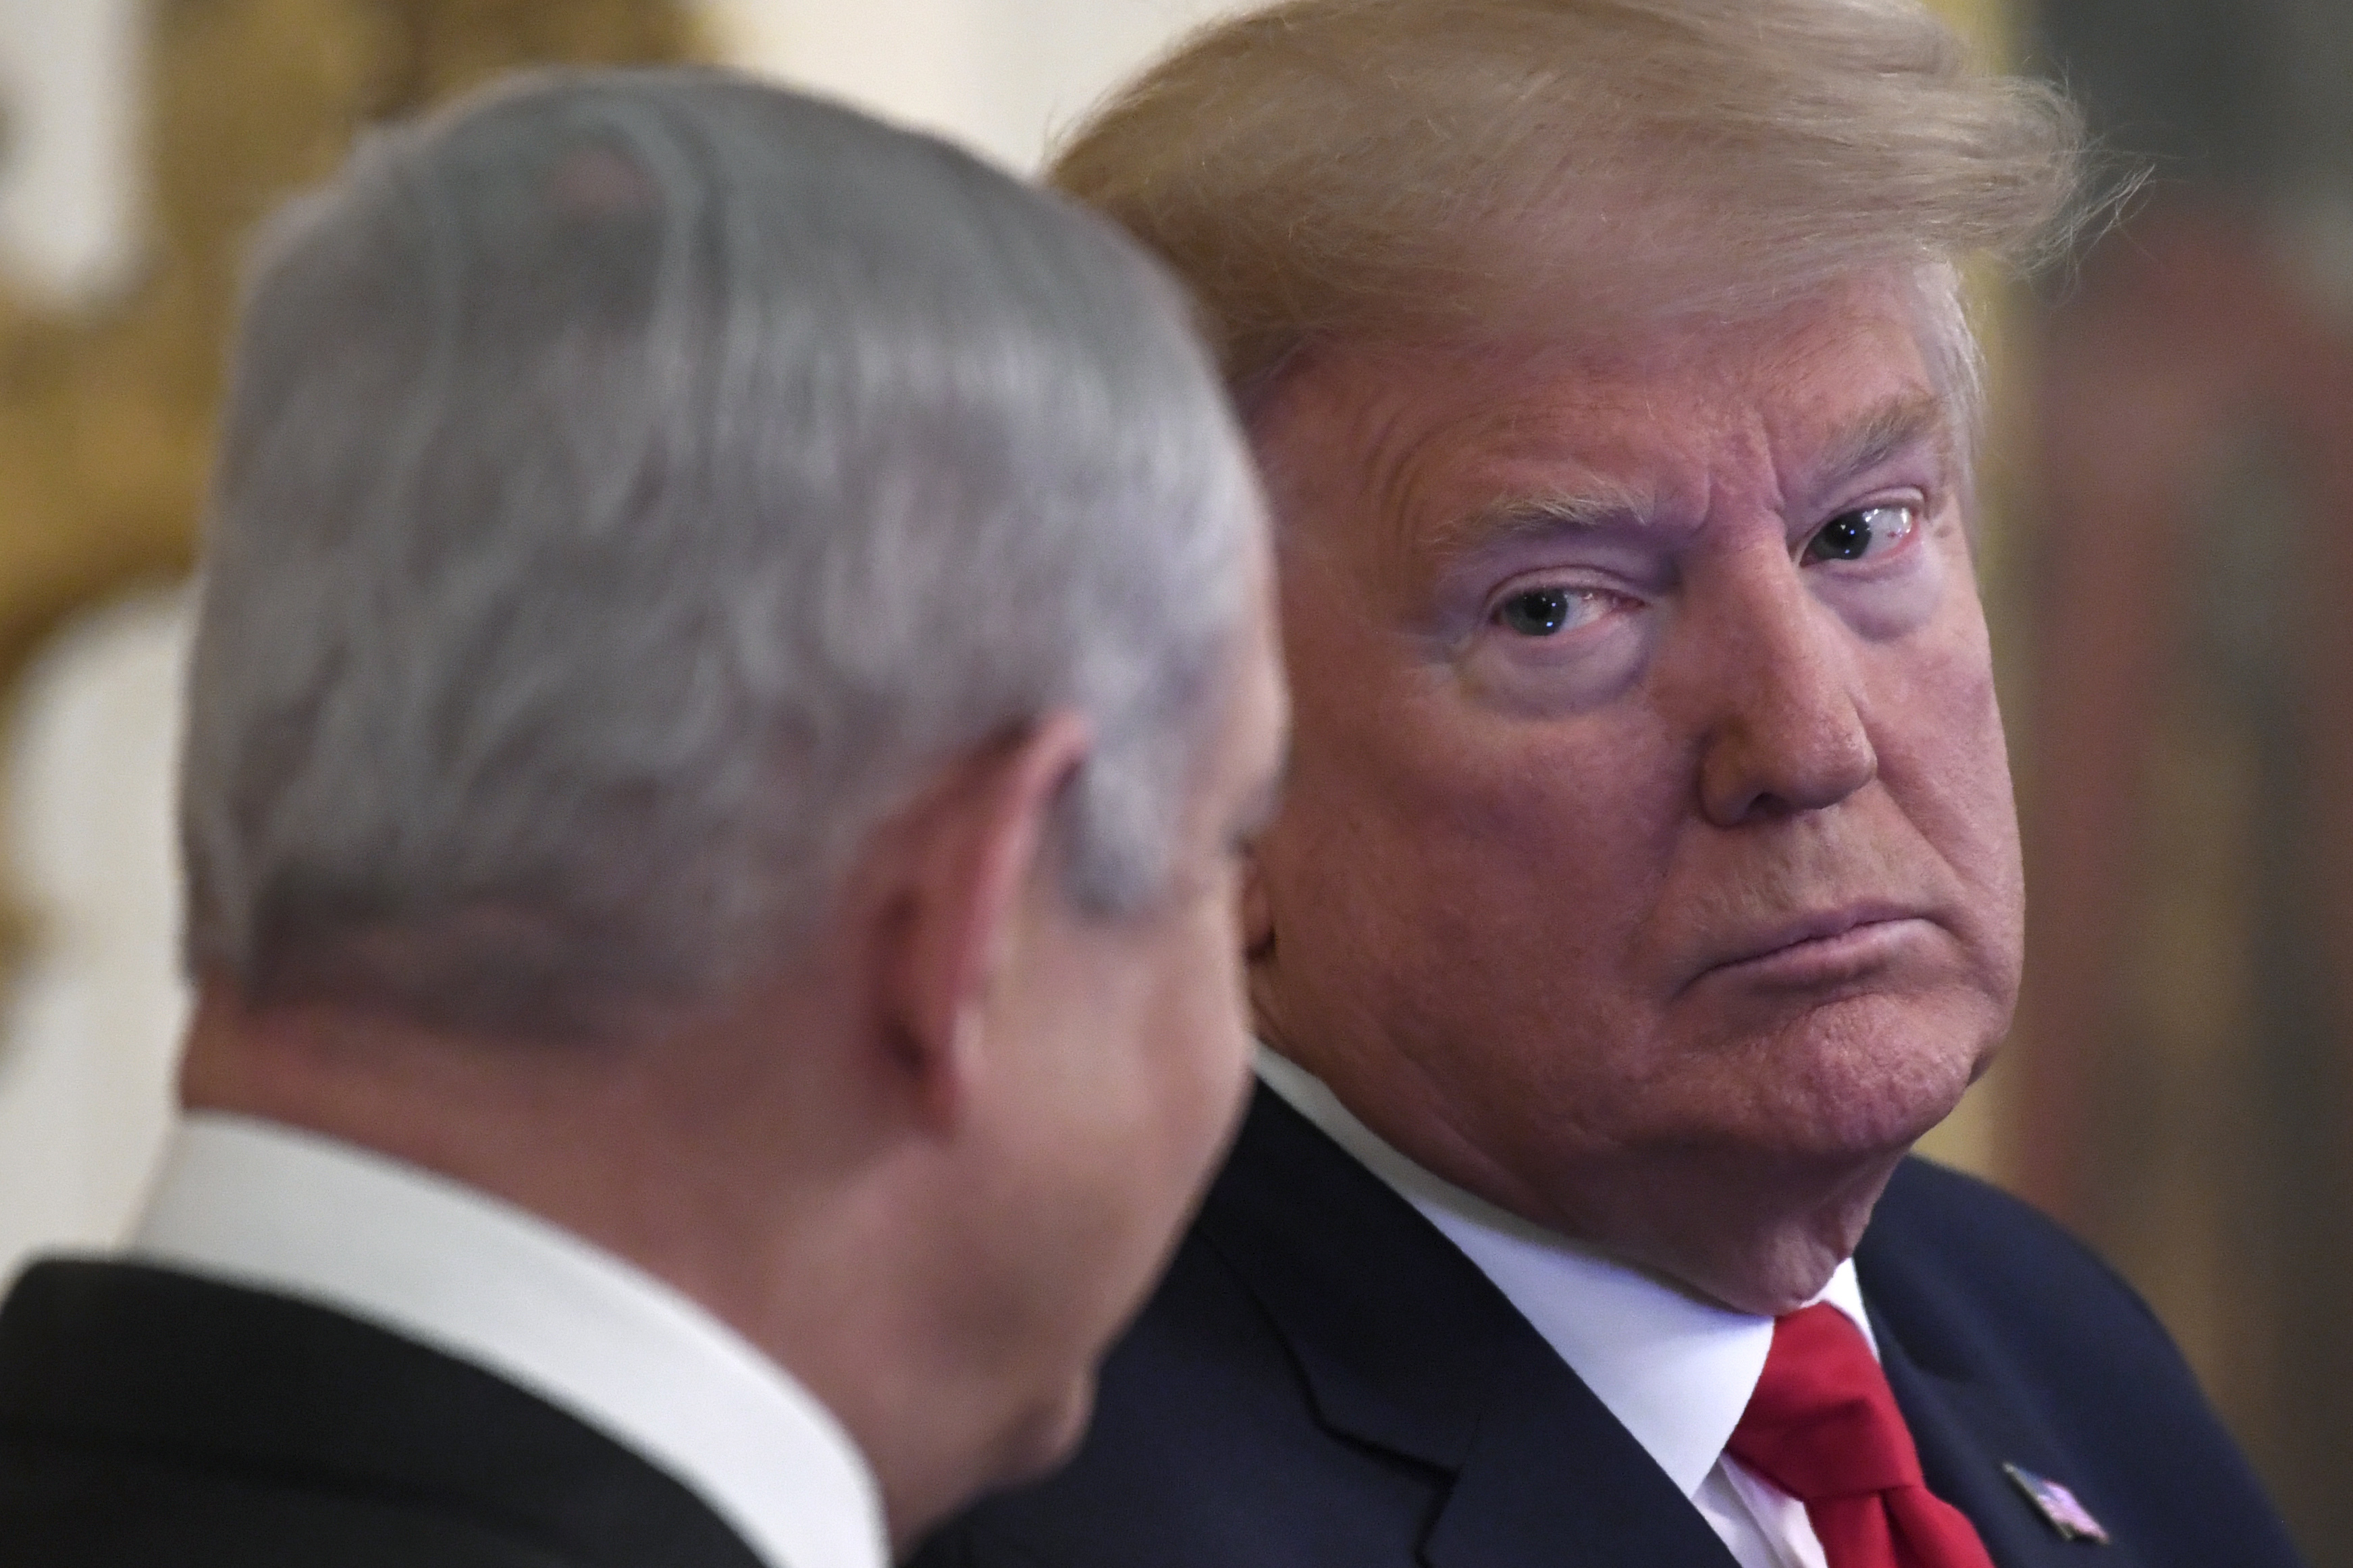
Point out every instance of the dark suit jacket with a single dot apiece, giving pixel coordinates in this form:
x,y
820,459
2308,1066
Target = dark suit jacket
x,y
151,1419
1324,1381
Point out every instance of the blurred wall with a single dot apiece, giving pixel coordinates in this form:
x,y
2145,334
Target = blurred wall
x,y
998,74
71,181
2185,1057
85,1050
93,1014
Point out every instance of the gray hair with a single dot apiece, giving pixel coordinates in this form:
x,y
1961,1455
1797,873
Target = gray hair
x,y
637,484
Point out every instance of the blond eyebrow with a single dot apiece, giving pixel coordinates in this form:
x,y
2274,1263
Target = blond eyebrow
x,y
1894,427
1541,517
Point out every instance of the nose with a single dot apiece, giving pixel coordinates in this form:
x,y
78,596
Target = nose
x,y
1773,675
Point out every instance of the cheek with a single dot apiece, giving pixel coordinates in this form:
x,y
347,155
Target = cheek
x,y
1180,1068
1149,1061
1884,609
1196,1031
1048,1433
1944,759
1121,1123
1441,869
1572,675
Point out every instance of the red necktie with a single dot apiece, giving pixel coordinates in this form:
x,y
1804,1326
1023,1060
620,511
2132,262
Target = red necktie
x,y
1823,1425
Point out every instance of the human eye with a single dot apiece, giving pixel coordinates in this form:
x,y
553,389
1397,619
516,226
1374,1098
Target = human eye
x,y
1554,639
1862,533
1549,612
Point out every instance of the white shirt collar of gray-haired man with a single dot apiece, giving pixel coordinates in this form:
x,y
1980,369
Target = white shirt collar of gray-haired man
x,y
735,672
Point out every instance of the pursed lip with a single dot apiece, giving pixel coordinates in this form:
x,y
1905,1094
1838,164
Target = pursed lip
x,y
1819,945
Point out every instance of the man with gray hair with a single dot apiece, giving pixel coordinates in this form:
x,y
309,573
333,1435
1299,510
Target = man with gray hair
x,y
1648,879
733,670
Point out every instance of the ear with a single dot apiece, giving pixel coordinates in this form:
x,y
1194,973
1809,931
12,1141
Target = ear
x,y
968,854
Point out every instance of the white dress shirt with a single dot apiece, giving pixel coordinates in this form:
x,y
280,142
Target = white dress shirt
x,y
255,1203
1675,1371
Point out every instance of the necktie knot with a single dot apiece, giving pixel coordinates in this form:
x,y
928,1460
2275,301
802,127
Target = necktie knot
x,y
1823,1422
1824,1427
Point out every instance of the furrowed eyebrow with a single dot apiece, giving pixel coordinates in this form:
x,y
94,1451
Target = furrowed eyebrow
x,y
1540,517
1894,428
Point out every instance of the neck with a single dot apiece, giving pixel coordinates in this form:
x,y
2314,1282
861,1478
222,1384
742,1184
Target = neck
x,y
766,1185
1753,1232
1757,1235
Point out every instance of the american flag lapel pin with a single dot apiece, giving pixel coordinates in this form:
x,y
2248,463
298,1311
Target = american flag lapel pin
x,y
2057,1506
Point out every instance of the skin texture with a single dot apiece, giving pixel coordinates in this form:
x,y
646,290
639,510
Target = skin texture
x,y
1672,930
930,1165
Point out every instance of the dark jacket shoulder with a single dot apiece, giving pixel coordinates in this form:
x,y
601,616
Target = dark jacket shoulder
x,y
2027,1338
1325,1379
148,1416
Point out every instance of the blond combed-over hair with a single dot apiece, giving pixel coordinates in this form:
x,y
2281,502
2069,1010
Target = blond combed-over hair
x,y
1415,168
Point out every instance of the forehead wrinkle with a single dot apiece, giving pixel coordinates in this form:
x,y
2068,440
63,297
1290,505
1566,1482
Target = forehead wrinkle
x,y
1400,457
1390,449
1551,428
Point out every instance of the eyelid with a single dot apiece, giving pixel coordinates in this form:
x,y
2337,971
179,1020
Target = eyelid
x,y
1912,502
1915,499
1491,618
1557,578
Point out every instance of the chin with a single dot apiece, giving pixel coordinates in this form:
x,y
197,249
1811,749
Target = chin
x,y
1790,1274
1870,1077
1048,1433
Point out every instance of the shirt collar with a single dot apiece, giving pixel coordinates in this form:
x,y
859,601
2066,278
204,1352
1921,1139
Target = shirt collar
x,y
1676,1371
257,1204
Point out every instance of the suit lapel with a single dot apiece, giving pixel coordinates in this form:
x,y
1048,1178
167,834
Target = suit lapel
x,y
1553,1478
1405,1345
1965,1435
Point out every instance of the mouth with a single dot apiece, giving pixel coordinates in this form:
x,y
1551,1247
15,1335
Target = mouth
x,y
1824,948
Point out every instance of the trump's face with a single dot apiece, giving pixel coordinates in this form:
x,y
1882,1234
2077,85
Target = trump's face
x,y
1648,863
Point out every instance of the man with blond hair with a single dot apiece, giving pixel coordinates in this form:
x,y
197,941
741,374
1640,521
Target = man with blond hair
x,y
1648,878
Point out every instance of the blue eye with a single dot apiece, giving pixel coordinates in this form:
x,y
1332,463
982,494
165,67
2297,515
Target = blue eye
x,y
1539,613
1859,534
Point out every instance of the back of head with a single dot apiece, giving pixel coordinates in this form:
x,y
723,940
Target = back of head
x,y
634,485
1399,168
